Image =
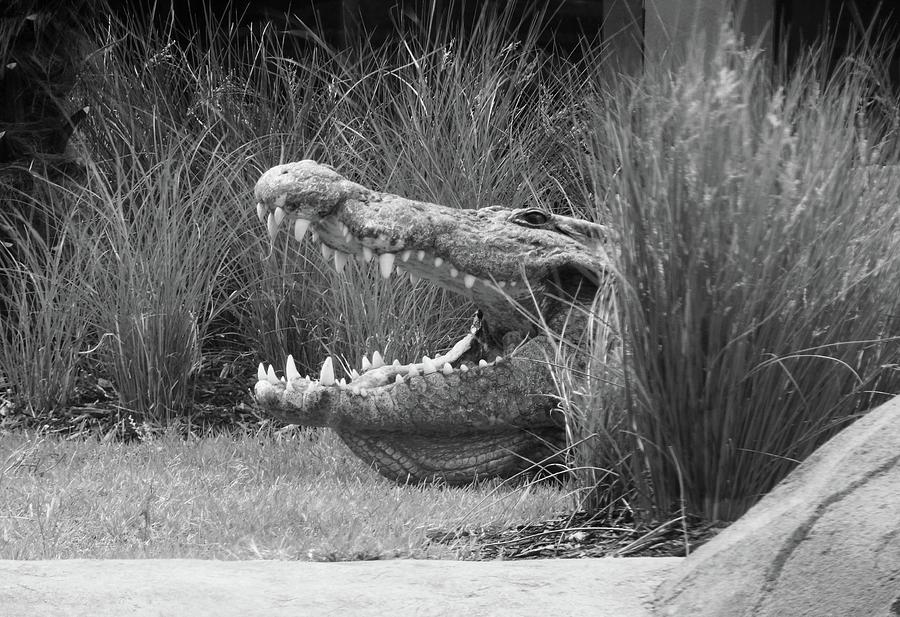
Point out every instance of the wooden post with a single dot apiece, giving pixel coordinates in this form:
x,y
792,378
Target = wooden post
x,y
661,30
623,38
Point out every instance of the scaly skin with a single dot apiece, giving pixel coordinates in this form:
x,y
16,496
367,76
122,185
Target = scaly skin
x,y
483,409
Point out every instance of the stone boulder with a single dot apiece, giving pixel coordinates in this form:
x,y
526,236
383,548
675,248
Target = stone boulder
x,y
825,541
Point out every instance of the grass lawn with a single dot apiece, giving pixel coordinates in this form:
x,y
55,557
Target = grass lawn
x,y
294,494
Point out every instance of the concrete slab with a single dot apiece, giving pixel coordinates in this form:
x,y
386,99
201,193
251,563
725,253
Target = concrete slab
x,y
100,588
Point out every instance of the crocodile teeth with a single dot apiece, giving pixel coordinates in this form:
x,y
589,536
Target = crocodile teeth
x,y
502,284
438,262
326,375
420,255
300,227
261,212
377,360
498,359
353,374
404,256
447,369
469,281
279,214
340,260
463,368
395,363
428,366
271,225
367,254
327,251
482,362
413,371
261,373
365,364
290,369
454,272
413,278
398,378
271,377
386,264
342,382
345,231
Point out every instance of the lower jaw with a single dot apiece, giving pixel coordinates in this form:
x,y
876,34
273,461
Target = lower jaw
x,y
461,458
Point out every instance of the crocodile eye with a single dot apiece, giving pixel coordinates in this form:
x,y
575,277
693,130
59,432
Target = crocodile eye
x,y
532,218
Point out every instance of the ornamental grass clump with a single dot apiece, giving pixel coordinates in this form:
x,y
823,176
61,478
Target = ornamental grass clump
x,y
44,309
759,266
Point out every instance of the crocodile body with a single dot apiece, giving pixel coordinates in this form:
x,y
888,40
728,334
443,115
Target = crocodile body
x,y
484,408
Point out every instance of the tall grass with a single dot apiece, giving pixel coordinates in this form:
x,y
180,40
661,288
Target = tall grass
x,y
759,270
44,311
178,134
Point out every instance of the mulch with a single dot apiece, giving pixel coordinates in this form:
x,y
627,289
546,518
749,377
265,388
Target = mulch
x,y
582,535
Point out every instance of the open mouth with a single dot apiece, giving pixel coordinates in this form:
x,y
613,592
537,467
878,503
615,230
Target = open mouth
x,y
477,350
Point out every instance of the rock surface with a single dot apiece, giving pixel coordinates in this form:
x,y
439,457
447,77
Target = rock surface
x,y
825,541
106,588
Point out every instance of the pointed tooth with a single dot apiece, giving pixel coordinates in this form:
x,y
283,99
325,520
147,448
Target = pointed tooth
x,y
404,256
454,272
340,260
271,225
279,215
469,281
271,377
353,374
290,369
342,382
300,227
413,371
395,362
398,378
428,366
367,254
261,373
482,362
365,364
261,212
327,251
502,284
447,369
413,278
420,255
513,283
326,375
438,262
498,359
377,360
463,368
386,264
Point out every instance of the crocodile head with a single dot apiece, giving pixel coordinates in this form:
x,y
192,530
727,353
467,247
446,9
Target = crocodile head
x,y
483,407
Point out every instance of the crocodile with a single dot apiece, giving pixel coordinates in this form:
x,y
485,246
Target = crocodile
x,y
485,407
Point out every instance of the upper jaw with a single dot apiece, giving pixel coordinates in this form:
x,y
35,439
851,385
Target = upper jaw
x,y
340,245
